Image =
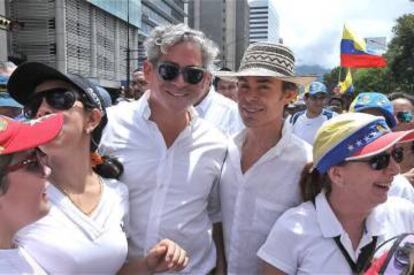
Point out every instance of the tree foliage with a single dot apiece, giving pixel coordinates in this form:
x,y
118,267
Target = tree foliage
x,y
397,76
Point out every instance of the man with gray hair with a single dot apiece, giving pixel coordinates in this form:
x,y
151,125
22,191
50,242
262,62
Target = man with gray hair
x,y
172,159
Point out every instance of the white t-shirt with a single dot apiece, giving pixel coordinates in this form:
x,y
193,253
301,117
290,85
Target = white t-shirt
x,y
401,187
301,241
306,128
67,241
220,111
173,191
253,201
18,261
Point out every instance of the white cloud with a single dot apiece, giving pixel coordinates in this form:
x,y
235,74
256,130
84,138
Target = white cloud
x,y
313,28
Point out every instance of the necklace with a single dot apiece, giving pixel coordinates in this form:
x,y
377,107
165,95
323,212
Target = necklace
x,y
67,194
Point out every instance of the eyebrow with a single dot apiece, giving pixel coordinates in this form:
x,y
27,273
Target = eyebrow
x,y
260,80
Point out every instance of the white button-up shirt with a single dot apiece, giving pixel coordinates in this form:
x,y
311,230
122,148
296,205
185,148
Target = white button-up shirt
x,y
251,202
220,111
173,191
301,241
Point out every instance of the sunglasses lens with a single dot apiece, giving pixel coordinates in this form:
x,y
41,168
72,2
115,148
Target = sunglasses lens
x,y
193,75
168,72
398,154
61,100
30,109
380,162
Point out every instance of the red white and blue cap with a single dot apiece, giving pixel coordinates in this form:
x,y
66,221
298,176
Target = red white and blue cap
x,y
353,136
16,136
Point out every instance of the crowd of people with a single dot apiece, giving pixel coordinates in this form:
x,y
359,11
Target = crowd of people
x,y
198,170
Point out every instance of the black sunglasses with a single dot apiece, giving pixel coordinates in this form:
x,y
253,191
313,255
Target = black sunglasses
x,y
32,164
59,98
381,161
170,71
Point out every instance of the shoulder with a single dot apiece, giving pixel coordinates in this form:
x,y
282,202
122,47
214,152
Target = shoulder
x,y
295,116
202,130
116,186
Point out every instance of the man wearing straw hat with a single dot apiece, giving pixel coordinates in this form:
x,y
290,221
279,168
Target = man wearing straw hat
x,y
262,170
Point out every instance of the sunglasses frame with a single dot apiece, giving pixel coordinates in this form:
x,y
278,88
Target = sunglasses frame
x,y
178,70
32,107
23,164
376,162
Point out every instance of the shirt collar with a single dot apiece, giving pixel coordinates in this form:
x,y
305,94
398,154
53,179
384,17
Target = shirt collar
x,y
331,227
202,107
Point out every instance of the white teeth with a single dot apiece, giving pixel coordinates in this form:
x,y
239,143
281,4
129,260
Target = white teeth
x,y
251,110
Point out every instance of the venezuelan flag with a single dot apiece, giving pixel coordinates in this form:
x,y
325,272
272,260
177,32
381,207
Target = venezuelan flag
x,y
354,52
346,85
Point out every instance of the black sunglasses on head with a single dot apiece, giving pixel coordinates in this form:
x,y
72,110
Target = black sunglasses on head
x,y
58,98
382,160
170,71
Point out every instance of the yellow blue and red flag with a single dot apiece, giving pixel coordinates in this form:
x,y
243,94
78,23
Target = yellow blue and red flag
x,y
354,52
346,86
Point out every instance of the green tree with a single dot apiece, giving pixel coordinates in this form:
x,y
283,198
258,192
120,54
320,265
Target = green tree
x,y
400,53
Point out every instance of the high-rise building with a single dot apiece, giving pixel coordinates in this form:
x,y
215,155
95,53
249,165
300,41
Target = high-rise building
x,y
226,23
86,37
158,12
263,21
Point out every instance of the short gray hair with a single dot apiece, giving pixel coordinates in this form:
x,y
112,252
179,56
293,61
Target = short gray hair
x,y
166,36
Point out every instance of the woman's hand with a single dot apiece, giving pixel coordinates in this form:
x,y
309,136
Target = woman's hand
x,y
166,256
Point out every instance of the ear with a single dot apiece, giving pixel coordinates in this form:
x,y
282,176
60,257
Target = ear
x,y
94,118
336,175
207,81
290,95
148,70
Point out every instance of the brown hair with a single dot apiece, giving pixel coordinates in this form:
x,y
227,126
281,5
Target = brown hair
x,y
312,183
5,161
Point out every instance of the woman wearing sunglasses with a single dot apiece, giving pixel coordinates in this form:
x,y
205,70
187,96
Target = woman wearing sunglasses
x,y
347,212
23,181
85,230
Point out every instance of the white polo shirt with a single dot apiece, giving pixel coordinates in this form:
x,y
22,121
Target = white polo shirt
x,y
173,191
66,241
221,112
17,261
253,201
301,241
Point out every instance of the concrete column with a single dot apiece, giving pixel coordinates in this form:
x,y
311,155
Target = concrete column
x,y
231,40
60,19
94,45
3,34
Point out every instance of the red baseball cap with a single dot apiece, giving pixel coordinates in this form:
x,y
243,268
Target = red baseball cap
x,y
16,136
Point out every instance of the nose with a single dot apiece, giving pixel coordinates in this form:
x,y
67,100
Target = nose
x,y
44,109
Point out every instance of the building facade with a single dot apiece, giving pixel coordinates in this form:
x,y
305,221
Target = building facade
x,y
226,23
263,21
155,13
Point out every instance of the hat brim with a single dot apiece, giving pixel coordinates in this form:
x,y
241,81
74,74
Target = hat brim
x,y
382,144
301,80
33,133
26,77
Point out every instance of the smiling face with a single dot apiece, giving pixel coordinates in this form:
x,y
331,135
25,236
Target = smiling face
x,y
24,201
361,185
261,100
176,95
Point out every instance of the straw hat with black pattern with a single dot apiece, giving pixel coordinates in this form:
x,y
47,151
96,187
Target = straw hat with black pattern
x,y
268,60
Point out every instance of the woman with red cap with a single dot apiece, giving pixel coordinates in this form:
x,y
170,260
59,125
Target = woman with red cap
x,y
23,182
85,229
347,213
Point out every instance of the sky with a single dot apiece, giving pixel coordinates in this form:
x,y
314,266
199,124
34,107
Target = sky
x,y
313,28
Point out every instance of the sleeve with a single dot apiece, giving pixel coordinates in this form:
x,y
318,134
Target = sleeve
x,y
213,207
125,207
282,247
401,187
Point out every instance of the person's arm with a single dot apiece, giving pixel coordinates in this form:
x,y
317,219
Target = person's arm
x,y
164,256
221,266
271,270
